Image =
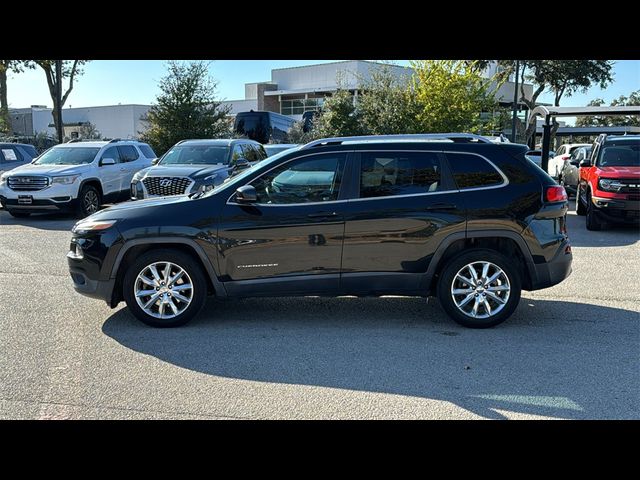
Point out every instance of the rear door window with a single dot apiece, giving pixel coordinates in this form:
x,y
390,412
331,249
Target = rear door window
x,y
128,153
473,171
147,151
387,174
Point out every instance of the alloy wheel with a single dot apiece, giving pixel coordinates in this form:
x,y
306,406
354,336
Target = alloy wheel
x,y
91,201
480,289
163,290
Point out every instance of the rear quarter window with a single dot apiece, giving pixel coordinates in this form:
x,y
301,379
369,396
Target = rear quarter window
x,y
473,171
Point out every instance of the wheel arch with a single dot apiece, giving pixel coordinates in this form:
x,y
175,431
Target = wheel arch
x,y
134,248
503,242
94,182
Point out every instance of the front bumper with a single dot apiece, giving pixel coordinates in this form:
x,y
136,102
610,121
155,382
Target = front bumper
x,y
617,210
52,198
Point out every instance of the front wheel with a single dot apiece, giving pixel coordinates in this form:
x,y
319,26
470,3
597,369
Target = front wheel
x,y
480,288
592,221
580,208
165,288
88,201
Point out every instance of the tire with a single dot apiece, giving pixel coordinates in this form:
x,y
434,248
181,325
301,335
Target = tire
x,y
448,280
89,201
193,275
580,208
16,214
593,223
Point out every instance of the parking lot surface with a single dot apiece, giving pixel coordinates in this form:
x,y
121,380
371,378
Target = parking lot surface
x,y
571,351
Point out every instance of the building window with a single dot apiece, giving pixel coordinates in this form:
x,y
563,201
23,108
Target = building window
x,y
297,106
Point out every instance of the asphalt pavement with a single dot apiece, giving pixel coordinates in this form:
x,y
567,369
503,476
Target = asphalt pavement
x,y
570,351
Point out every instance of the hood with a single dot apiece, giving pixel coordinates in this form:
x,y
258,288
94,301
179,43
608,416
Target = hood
x,y
192,171
139,204
619,172
31,169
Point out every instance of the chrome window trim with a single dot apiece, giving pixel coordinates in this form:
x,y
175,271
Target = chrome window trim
x,y
467,189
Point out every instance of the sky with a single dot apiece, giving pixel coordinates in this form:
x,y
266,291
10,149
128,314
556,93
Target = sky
x,y
109,82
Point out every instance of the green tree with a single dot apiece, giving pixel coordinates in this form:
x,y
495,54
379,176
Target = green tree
x,y
186,108
339,117
70,70
88,131
15,66
450,96
560,77
388,104
612,120
296,133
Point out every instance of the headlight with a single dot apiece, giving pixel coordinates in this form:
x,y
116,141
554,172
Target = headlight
x,y
3,178
84,226
66,180
610,185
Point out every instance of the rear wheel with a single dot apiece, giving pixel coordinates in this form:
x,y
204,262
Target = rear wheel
x,y
580,208
480,288
15,214
165,288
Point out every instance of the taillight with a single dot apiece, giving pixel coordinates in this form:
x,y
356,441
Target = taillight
x,y
556,194
565,157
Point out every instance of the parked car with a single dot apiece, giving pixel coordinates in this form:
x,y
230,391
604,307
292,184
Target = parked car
x,y
74,176
14,155
609,182
536,156
274,148
192,165
569,174
562,154
451,215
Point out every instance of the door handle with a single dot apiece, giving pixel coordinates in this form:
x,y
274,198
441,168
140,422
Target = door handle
x,y
441,206
322,215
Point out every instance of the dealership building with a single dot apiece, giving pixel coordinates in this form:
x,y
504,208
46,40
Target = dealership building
x,y
295,90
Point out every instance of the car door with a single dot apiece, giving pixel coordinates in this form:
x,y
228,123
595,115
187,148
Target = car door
x,y
131,162
11,157
406,205
111,175
292,236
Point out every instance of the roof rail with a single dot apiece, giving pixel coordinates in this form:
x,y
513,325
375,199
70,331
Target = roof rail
x,y
75,140
432,137
114,140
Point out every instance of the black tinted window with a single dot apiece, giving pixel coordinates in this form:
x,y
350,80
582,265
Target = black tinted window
x,y
147,151
472,171
250,153
385,174
128,153
312,179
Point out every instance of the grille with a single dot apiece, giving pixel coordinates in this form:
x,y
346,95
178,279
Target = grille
x,y
166,185
630,185
28,183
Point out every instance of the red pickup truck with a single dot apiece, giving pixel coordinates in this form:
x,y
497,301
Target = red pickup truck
x,y
609,184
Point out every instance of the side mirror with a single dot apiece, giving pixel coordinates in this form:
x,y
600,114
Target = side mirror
x,y
575,163
241,164
155,161
246,194
107,161
585,163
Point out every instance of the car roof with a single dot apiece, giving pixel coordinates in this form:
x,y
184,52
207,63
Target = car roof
x,y
618,138
12,144
217,141
282,145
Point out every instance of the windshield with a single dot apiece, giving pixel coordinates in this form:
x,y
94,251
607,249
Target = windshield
x,y
196,155
68,156
238,180
620,154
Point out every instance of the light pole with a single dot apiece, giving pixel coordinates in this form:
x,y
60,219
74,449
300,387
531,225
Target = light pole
x,y
515,104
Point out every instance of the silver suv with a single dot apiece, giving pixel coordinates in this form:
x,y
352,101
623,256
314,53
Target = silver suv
x,y
74,176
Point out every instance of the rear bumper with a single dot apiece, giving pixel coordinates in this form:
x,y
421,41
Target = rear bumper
x,y
617,210
554,271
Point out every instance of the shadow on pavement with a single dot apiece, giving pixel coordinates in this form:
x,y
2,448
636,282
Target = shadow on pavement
x,y
613,236
552,358
41,221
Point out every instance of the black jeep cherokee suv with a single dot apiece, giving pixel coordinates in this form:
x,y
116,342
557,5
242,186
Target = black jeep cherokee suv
x,y
451,215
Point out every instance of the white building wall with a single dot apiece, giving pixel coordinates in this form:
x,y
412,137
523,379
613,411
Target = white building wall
x,y
113,121
241,105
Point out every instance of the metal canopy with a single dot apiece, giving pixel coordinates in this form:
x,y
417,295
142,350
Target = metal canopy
x,y
544,111
547,112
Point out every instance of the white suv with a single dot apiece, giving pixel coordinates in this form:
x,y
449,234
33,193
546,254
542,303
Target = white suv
x,y
556,164
78,177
